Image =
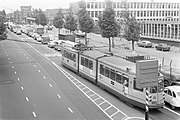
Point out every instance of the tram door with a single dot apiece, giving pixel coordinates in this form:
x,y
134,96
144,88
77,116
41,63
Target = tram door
x,y
125,84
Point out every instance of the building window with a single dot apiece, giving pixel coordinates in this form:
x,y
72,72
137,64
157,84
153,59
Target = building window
x,y
92,5
96,5
96,13
92,13
88,5
114,5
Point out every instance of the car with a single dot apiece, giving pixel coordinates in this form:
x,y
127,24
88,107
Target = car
x,y
18,32
172,96
163,47
144,43
52,44
39,38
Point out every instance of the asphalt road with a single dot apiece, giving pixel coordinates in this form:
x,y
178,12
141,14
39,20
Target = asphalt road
x,y
34,85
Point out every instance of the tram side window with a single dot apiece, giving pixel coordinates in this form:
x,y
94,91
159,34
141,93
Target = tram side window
x,y
107,72
82,61
112,74
74,57
90,64
119,77
125,80
101,69
135,87
86,62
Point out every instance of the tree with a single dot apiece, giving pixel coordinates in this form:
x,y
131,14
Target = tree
x,y
86,23
42,18
132,31
132,27
70,21
59,20
107,23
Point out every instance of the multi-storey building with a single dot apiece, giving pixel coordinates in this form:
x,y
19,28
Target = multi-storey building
x,y
25,10
160,20
50,14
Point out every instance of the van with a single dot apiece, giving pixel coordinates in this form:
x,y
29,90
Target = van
x,y
68,44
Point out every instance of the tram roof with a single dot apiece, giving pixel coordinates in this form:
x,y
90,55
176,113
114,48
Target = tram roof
x,y
93,54
119,63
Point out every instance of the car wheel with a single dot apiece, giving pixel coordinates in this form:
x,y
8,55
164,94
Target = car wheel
x,y
173,107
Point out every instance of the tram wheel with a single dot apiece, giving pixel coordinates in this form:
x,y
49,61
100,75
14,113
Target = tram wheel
x,y
173,107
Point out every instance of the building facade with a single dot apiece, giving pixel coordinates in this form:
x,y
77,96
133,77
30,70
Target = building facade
x,y
50,14
160,20
25,10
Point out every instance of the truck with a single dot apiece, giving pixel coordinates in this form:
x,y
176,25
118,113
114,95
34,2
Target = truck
x,y
39,30
171,75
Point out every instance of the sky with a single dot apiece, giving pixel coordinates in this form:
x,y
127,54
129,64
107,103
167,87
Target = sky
x,y
12,5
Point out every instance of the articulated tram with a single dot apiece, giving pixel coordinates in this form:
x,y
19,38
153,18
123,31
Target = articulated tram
x,y
114,74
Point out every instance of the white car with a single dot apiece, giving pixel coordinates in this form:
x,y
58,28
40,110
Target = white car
x,y
172,96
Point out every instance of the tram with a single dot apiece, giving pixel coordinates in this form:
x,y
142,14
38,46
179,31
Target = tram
x,y
116,75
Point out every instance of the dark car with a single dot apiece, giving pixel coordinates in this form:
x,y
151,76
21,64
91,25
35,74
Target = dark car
x,y
163,47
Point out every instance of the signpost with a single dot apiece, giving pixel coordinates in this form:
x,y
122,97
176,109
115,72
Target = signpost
x,y
147,76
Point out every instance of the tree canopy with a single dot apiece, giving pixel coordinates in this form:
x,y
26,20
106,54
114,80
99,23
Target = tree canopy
x,y
70,21
86,23
132,27
107,23
59,19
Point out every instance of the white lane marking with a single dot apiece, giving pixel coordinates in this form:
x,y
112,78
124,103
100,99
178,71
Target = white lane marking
x,y
39,71
50,85
9,58
70,110
12,66
10,62
22,88
27,99
34,114
44,77
69,76
172,111
34,65
18,79
15,72
129,118
58,96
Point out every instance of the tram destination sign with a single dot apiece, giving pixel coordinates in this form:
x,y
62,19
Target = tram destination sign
x,y
146,73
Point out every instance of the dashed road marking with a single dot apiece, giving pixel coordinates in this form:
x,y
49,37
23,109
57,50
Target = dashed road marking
x,y
27,57
22,88
12,66
34,65
9,58
50,85
27,99
95,98
70,110
44,77
58,96
15,72
18,79
10,62
34,114
39,71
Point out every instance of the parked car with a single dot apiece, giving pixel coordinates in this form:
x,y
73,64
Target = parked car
x,y
52,44
18,32
163,47
39,38
172,96
144,43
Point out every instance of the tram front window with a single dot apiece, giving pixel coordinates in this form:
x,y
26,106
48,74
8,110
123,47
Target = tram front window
x,y
153,89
